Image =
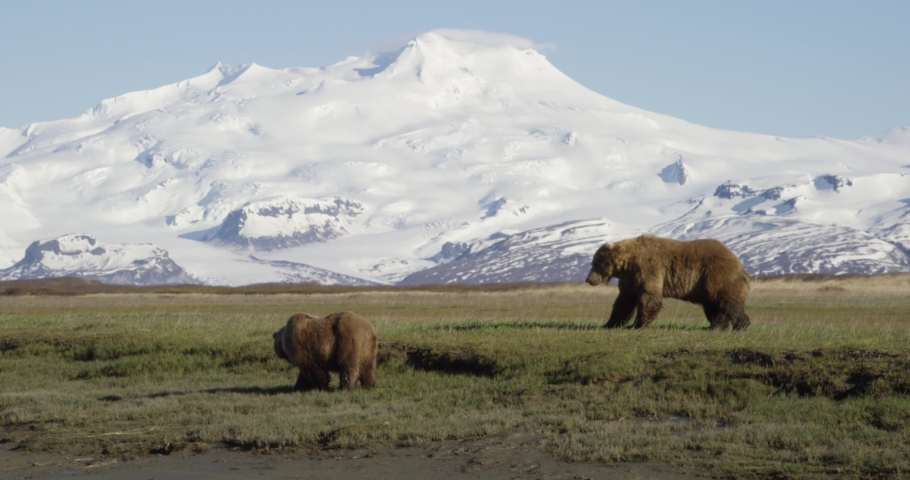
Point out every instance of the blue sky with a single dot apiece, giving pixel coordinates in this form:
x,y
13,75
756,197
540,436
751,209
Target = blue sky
x,y
788,68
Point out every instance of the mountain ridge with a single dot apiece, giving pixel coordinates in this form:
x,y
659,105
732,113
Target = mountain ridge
x,y
447,140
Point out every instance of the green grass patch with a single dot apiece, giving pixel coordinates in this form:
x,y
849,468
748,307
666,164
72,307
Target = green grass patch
x,y
819,385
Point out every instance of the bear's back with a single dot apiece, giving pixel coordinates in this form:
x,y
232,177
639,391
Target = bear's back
x,y
308,333
351,325
692,252
690,270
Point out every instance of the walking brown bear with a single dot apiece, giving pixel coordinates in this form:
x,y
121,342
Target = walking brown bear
x,y
650,268
340,342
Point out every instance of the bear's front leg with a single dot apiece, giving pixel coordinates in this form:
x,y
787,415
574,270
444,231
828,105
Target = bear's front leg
x,y
649,306
717,316
623,309
303,382
737,314
720,316
311,378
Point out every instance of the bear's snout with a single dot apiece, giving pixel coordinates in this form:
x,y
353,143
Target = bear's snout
x,y
279,349
594,278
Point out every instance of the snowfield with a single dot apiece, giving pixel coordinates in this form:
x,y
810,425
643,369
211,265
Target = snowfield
x,y
460,157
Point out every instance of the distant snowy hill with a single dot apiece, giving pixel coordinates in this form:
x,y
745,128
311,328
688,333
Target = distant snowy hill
x,y
82,256
558,253
284,222
462,156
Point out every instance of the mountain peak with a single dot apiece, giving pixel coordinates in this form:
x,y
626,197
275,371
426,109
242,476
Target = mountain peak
x,y
463,60
371,166
480,38
896,136
230,73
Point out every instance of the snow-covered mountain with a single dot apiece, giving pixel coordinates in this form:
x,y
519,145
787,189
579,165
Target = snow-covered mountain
x,y
462,156
557,253
284,222
83,256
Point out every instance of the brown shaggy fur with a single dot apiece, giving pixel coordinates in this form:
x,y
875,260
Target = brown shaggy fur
x,y
341,342
650,268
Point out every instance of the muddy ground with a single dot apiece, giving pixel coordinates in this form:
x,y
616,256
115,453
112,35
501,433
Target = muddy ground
x,y
508,456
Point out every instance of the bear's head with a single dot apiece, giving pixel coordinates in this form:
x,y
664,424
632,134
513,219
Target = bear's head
x,y
278,336
603,265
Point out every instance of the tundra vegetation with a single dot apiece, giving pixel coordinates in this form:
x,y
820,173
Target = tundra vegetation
x,y
819,384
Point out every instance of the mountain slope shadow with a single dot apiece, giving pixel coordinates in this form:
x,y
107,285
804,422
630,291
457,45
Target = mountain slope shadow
x,y
381,62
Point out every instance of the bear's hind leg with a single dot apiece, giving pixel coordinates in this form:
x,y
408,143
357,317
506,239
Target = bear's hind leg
x,y
368,374
348,378
623,309
648,310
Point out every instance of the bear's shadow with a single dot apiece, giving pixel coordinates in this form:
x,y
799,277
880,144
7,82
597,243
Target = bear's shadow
x,y
279,390
515,325
556,325
283,389
254,390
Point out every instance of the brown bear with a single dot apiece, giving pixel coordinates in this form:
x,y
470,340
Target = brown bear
x,y
650,268
340,342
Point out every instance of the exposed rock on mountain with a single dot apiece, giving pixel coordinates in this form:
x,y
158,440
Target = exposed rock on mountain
x,y
83,256
285,222
559,253
292,272
677,172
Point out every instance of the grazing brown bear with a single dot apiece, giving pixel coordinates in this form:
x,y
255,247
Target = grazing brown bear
x,y
341,342
650,268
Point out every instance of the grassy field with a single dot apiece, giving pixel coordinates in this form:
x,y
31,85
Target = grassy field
x,y
818,385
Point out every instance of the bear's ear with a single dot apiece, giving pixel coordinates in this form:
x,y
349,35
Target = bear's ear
x,y
609,245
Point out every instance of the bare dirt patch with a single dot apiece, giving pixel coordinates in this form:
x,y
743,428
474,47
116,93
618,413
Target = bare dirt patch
x,y
507,456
